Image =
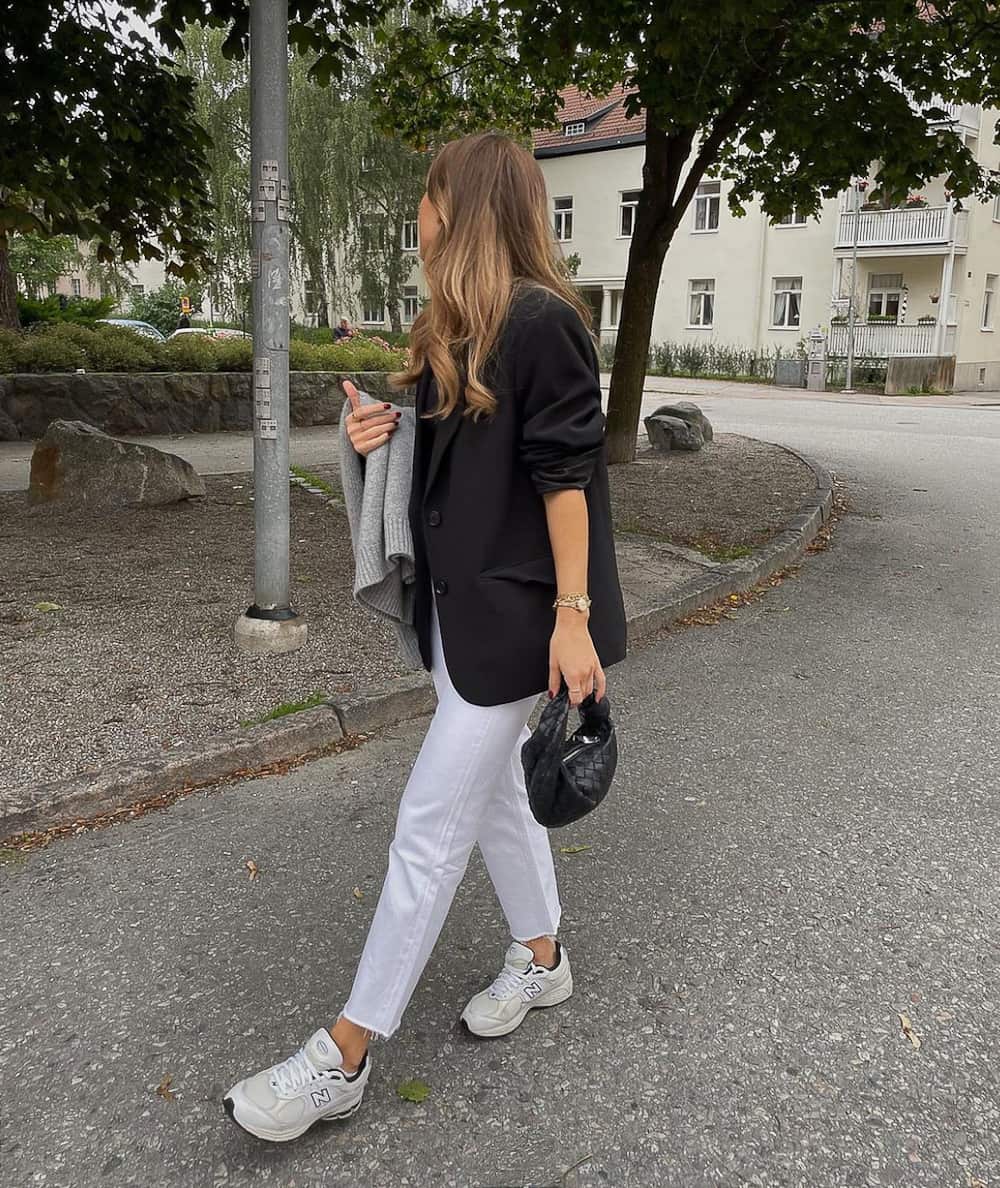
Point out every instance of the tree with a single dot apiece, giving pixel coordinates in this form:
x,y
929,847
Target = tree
x,y
99,137
352,186
38,261
787,100
162,307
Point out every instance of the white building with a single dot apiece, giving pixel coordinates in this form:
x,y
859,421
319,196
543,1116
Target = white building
x,y
926,279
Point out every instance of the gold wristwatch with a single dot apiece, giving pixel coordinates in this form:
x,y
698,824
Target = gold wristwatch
x,y
580,602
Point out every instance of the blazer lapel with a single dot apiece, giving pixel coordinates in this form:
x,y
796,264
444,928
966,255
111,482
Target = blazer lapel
x,y
444,433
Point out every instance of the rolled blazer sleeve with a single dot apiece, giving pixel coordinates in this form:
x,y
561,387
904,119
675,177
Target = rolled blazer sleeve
x,y
562,431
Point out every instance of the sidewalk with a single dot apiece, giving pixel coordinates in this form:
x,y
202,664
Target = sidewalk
x,y
122,677
232,452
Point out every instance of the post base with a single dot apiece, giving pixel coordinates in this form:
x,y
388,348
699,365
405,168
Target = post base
x,y
269,636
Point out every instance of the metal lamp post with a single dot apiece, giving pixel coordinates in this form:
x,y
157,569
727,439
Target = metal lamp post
x,y
270,624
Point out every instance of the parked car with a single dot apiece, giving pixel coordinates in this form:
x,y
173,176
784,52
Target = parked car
x,y
143,328
218,332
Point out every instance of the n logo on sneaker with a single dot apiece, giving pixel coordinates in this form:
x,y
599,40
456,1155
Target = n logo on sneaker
x,y
530,992
320,1097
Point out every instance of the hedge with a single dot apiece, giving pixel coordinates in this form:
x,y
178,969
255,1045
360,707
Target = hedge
x,y
67,347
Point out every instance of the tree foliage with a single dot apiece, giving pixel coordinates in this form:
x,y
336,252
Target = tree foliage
x,y
39,261
787,100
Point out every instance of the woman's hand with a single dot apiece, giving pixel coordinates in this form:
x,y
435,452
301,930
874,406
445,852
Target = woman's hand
x,y
572,655
368,425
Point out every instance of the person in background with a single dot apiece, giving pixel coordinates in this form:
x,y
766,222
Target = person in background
x,y
344,330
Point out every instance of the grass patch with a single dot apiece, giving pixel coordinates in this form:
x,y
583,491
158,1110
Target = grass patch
x,y
12,857
313,480
716,552
288,707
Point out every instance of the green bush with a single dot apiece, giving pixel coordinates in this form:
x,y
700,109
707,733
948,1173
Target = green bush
x,y
187,352
311,334
68,346
84,310
9,340
114,348
48,352
233,354
716,360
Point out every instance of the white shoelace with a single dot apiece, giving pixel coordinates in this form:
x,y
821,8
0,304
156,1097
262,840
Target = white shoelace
x,y
294,1074
509,981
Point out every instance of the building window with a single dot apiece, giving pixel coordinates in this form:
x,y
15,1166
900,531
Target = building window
x,y
411,303
701,302
373,313
706,206
793,219
616,306
988,292
137,290
576,128
411,239
885,295
75,286
310,297
50,289
629,205
787,301
996,209
564,219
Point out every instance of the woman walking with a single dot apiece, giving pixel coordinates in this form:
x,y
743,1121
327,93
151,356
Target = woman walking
x,y
516,591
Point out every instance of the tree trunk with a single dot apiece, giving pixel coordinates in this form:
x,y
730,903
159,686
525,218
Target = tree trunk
x,y
628,374
656,220
9,319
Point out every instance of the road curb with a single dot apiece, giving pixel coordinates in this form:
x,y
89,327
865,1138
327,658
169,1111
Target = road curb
x,y
249,749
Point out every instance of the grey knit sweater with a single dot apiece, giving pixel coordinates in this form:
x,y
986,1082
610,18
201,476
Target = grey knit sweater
x,y
377,494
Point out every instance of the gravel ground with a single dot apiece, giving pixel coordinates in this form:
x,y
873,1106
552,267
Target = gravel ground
x,y
137,654
734,495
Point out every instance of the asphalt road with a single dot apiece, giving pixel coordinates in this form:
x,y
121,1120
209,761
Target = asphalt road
x,y
800,847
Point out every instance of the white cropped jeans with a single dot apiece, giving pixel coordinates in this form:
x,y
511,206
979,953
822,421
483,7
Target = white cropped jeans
x,y
466,786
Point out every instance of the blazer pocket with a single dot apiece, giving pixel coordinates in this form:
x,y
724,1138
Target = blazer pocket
x,y
538,569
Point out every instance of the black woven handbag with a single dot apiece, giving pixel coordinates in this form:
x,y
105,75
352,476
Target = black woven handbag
x,y
569,777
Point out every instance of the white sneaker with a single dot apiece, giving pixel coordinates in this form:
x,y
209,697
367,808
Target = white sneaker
x,y
520,986
284,1100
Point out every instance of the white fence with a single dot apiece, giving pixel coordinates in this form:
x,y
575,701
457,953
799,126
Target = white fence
x,y
897,228
875,341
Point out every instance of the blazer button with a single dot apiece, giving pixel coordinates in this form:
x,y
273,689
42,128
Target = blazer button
x,y
434,518
440,586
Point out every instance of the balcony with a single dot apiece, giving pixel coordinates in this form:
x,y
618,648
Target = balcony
x,y
876,340
912,230
963,117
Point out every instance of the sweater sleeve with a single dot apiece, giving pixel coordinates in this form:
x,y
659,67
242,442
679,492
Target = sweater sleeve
x,y
557,379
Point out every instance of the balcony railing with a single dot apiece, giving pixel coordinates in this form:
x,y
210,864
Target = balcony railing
x,y
964,116
916,226
874,340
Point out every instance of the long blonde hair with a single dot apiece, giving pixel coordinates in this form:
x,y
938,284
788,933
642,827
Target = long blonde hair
x,y
495,236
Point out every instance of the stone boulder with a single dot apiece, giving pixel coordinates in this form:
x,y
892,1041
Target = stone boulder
x,y
680,426
76,463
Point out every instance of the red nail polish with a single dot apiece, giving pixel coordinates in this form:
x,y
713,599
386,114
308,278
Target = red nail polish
x,y
386,406
551,695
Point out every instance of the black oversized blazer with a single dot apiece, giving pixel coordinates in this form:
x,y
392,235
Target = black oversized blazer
x,y
478,516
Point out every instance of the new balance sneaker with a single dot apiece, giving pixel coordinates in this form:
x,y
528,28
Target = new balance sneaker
x,y
520,986
284,1100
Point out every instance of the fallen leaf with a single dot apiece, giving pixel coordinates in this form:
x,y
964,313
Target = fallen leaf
x,y
415,1091
574,849
358,893
975,1181
45,607
164,1090
907,1028
251,867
